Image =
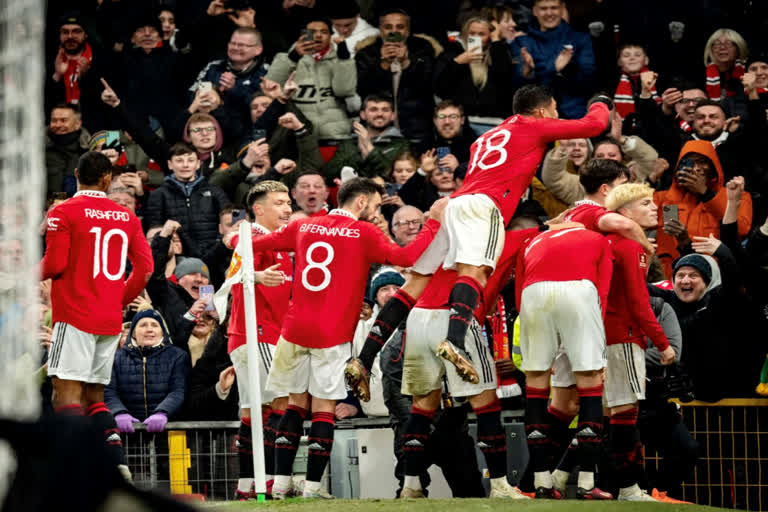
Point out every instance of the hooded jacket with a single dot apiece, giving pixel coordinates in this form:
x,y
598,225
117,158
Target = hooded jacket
x,y
701,215
195,205
214,158
61,155
323,85
573,84
147,380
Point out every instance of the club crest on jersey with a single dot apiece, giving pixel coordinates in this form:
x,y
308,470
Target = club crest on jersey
x,y
643,261
234,265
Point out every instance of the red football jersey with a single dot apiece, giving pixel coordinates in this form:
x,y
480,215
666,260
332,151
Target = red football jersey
x,y
436,294
630,317
333,255
571,254
588,213
88,243
271,301
504,160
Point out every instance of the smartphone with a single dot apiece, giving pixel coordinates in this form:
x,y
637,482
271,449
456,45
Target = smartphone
x,y
258,133
206,293
205,87
670,212
113,139
393,188
394,37
441,152
237,216
567,47
474,42
307,34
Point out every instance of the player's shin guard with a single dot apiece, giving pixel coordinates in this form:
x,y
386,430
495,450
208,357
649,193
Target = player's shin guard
x,y
491,439
320,444
463,301
626,448
589,433
538,429
415,445
391,315
244,446
105,422
270,434
287,440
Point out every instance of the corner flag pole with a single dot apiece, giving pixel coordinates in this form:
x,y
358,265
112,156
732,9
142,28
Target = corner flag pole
x,y
252,338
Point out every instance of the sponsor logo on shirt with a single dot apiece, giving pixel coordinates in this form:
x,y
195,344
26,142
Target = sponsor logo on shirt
x,y
53,223
332,231
90,213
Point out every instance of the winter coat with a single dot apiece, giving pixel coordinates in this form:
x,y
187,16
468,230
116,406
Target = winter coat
x,y
61,155
237,101
194,205
147,380
419,191
323,85
700,215
453,81
574,83
415,95
203,403
378,162
363,30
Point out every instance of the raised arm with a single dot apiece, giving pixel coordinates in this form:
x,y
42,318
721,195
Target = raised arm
x,y
616,223
591,125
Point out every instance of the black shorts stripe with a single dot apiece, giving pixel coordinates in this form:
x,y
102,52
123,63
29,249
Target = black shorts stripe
x,y
492,236
496,227
482,356
631,370
264,357
56,357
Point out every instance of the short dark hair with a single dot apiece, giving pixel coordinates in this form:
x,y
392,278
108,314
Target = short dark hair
x,y
599,172
447,104
379,98
712,103
68,106
180,148
357,187
321,19
631,44
609,140
394,10
308,172
539,1
92,167
530,97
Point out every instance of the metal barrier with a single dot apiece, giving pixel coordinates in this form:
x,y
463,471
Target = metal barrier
x,y
730,472
200,458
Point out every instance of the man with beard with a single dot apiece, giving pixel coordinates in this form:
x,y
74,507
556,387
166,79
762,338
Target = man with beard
x,y
333,257
65,141
378,141
76,71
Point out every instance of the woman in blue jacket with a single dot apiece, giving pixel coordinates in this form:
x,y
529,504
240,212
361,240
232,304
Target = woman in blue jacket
x,y
149,376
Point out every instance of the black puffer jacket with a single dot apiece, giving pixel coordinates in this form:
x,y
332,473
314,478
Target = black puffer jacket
x,y
415,99
146,380
194,205
203,403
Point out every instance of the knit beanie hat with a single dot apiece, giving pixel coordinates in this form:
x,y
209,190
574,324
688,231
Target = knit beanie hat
x,y
191,266
148,312
696,261
384,277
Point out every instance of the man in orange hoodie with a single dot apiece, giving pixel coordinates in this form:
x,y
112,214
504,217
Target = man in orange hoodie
x,y
698,191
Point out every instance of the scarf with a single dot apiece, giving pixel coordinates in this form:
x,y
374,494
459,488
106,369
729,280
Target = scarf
x,y
684,125
713,79
624,99
72,75
320,55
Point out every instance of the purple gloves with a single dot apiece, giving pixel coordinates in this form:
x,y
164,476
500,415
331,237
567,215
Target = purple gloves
x,y
125,422
156,422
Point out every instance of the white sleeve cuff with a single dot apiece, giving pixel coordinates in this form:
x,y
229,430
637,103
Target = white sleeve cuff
x,y
630,143
421,171
221,394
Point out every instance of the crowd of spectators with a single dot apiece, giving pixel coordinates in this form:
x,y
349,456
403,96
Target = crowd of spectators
x,y
196,101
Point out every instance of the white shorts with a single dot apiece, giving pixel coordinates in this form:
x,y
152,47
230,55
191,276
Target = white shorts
x,y
472,233
423,370
81,356
561,314
296,369
624,375
239,358
562,373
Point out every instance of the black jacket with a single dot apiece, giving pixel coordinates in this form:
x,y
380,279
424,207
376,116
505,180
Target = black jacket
x,y
195,205
454,81
415,100
203,404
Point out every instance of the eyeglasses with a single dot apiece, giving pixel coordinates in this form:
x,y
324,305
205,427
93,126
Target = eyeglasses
x,y
453,117
691,100
207,129
723,44
409,223
242,45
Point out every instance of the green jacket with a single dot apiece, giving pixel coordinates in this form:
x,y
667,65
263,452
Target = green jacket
x,y
378,162
323,85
